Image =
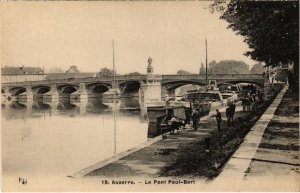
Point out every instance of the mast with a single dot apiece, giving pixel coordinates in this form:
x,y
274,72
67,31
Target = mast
x,y
206,62
114,68
114,86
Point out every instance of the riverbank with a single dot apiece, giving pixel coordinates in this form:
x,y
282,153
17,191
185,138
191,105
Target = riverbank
x,y
277,157
268,159
185,155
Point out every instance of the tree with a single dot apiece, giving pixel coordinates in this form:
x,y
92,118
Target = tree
x,y
72,69
228,67
55,70
202,69
134,73
257,69
106,72
270,28
182,72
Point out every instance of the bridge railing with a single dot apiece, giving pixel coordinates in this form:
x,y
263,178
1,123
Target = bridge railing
x,y
76,80
211,76
242,76
133,77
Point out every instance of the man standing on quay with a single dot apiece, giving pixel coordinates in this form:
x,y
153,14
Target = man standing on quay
x,y
219,119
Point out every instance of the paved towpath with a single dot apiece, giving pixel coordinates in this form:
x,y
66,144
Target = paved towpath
x,y
268,159
150,158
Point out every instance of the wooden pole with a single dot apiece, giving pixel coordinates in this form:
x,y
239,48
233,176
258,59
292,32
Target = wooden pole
x,y
206,63
114,68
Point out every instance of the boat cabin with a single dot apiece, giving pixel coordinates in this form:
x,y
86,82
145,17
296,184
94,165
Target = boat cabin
x,y
203,96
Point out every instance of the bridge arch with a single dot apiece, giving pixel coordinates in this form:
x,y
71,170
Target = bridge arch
x,y
67,89
98,88
15,91
172,85
130,86
41,89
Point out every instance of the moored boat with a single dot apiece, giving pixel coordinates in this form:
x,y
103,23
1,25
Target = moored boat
x,y
229,97
160,113
204,101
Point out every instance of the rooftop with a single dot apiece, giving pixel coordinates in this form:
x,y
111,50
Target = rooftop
x,y
8,71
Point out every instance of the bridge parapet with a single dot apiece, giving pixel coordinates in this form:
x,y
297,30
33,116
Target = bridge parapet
x,y
237,76
212,76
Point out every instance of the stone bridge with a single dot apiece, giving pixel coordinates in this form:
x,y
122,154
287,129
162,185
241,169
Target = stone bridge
x,y
149,87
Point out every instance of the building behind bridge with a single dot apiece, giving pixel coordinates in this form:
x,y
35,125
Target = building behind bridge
x,y
71,73
21,74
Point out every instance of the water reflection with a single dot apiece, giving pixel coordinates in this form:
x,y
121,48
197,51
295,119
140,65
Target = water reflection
x,y
92,106
60,138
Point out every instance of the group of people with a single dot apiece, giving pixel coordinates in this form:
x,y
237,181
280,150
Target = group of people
x,y
175,123
230,111
251,98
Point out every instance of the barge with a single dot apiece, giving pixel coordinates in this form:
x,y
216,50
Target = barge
x,y
161,112
205,102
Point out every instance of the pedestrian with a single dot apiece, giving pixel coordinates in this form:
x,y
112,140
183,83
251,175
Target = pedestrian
x,y
228,116
253,97
249,94
232,112
219,119
196,118
246,102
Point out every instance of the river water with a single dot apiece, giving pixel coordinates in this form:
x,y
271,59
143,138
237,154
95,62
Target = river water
x,y
60,138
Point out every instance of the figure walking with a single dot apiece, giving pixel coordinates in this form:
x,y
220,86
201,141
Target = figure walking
x,y
228,116
246,102
219,119
196,118
231,113
230,110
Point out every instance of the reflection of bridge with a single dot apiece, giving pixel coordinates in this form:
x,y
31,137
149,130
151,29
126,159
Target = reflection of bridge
x,y
148,86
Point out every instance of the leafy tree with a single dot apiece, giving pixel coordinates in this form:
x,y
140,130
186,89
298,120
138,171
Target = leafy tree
x,y
134,73
270,28
106,72
202,69
257,69
55,70
228,67
72,69
182,72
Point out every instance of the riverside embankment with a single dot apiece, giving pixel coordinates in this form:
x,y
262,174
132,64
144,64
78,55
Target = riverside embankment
x,y
183,155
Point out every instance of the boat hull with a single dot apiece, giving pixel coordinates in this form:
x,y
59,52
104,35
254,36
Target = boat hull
x,y
159,118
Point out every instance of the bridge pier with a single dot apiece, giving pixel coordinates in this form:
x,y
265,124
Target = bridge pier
x,y
167,92
6,94
82,107
151,89
52,95
53,107
6,108
26,96
29,107
171,93
80,95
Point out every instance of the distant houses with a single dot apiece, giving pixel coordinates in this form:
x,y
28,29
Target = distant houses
x,y
73,69
71,73
21,74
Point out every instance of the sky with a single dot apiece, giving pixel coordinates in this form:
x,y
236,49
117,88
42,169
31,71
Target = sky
x,y
64,33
